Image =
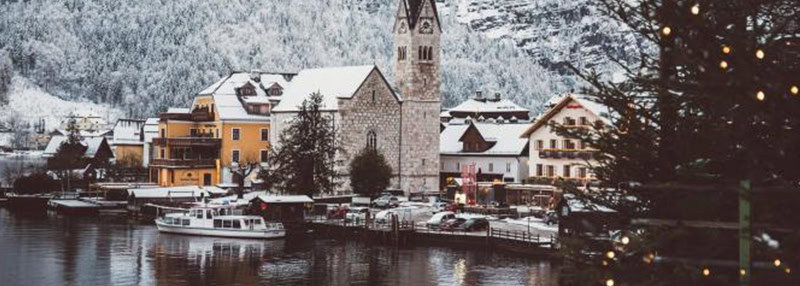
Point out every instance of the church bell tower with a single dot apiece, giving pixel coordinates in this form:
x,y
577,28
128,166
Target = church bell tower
x,y
417,57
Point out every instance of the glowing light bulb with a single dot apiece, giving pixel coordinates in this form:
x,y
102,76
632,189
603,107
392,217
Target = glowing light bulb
x,y
610,255
794,89
788,270
759,54
605,263
760,95
726,50
706,272
723,65
610,282
626,240
696,9
777,262
666,31
742,272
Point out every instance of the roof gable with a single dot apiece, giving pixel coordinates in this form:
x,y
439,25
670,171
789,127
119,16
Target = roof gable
x,y
591,107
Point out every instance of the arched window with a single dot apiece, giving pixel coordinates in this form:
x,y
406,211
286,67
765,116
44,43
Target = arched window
x,y
430,53
372,140
420,51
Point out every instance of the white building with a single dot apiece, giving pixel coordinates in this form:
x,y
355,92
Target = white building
x,y
494,146
88,121
149,131
553,156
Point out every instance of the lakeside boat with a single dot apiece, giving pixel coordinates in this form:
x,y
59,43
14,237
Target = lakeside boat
x,y
215,221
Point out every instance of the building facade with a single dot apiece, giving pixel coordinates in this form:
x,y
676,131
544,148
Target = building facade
x,y
228,122
553,156
127,142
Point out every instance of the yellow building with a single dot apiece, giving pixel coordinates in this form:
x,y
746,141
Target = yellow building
x,y
227,122
127,142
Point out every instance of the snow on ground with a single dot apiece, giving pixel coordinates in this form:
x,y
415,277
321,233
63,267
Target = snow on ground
x,y
534,222
28,102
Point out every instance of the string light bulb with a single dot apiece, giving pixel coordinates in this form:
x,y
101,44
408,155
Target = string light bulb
x,y
777,262
760,96
666,30
695,9
742,272
610,282
626,240
723,65
706,271
759,54
794,90
610,255
787,270
726,50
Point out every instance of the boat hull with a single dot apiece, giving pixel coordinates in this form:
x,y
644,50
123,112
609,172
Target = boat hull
x,y
231,233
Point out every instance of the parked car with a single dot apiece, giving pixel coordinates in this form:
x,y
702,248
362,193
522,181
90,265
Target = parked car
x,y
386,202
474,224
357,215
337,212
439,207
436,220
452,224
551,218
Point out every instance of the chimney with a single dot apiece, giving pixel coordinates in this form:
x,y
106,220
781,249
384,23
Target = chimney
x,y
255,75
479,95
497,96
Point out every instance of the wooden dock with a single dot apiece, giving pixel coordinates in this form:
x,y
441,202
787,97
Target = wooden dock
x,y
407,234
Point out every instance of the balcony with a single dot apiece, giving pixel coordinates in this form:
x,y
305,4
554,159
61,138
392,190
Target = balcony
x,y
184,163
188,142
567,154
197,115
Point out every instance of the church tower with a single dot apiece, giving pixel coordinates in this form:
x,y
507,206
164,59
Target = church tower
x,y
417,57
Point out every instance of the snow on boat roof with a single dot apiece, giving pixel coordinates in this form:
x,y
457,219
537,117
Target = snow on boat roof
x,y
332,83
285,199
175,192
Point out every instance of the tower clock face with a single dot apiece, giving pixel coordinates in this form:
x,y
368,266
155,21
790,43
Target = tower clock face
x,y
403,28
426,26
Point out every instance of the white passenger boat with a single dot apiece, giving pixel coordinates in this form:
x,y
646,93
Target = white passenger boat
x,y
211,221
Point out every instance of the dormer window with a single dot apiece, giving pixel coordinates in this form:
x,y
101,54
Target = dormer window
x,y
275,91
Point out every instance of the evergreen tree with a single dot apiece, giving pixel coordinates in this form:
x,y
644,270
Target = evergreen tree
x,y
370,174
69,155
304,161
714,102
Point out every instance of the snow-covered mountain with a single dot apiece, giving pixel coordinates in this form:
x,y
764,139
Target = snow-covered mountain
x,y
142,56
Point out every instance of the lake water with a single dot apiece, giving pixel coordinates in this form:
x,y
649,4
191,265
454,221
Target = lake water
x,y
48,249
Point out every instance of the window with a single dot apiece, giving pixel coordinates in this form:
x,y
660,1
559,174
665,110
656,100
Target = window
x,y
237,224
423,162
441,165
419,52
508,167
553,144
199,214
583,145
193,132
235,134
539,145
567,171
539,170
458,167
372,140
163,154
264,134
226,224
163,133
568,144
235,156
582,172
491,167
551,171
264,156
373,96
217,132
583,121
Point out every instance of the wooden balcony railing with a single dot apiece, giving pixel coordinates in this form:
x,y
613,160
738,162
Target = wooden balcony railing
x,y
188,142
567,154
190,163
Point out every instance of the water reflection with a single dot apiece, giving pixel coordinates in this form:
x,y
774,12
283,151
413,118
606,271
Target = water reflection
x,y
45,249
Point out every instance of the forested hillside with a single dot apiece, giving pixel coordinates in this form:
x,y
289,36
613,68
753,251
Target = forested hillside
x,y
142,56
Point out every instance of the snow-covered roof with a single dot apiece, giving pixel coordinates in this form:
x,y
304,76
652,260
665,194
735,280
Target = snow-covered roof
x,y
179,110
128,131
175,192
229,84
92,145
230,108
601,111
331,83
505,137
293,199
445,114
476,106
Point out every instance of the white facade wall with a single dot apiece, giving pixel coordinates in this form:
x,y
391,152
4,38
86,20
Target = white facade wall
x,y
513,169
546,134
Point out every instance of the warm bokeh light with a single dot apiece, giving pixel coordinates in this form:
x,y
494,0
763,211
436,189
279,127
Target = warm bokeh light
x,y
742,272
760,95
706,271
777,262
696,9
626,240
794,89
759,54
610,282
726,50
666,31
723,65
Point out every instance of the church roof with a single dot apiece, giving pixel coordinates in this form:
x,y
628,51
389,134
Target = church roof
x,y
414,9
332,83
